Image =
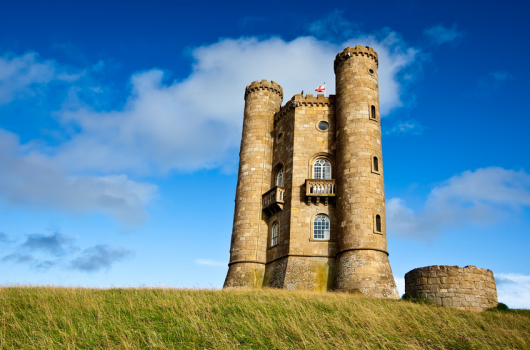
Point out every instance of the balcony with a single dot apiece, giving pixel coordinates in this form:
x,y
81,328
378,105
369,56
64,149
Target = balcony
x,y
317,188
272,200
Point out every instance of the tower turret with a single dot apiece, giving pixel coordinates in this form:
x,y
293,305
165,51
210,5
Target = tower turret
x,y
249,236
362,259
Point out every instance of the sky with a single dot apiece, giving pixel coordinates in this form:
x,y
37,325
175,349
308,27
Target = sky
x,y
120,125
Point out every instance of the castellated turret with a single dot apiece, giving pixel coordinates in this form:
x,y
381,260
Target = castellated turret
x,y
310,205
249,234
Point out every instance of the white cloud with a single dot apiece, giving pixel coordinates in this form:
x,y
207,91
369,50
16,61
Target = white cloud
x,y
163,125
513,290
332,27
477,197
209,262
21,75
31,179
440,34
194,123
409,127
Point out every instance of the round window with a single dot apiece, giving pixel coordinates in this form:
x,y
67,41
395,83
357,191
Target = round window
x,y
322,125
371,71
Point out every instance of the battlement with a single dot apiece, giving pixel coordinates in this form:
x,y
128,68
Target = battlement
x,y
308,100
264,85
355,51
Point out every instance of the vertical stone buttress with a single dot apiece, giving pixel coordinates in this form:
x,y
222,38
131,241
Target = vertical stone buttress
x,y
362,263
249,235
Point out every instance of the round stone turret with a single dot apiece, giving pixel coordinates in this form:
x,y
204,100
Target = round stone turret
x,y
463,288
249,236
362,260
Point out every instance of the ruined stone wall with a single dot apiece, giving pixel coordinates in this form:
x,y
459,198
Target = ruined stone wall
x,y
463,288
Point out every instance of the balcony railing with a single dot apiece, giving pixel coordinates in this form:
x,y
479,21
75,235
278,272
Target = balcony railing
x,y
273,199
320,188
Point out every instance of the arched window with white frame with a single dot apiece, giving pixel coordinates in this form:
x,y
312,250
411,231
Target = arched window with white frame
x,y
274,233
321,227
322,169
279,177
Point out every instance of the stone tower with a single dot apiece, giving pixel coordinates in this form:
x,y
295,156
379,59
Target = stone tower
x,y
310,205
249,234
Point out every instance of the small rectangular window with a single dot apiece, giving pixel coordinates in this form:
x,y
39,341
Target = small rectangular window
x,y
373,114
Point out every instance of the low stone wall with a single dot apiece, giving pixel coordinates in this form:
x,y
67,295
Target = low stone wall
x,y
463,288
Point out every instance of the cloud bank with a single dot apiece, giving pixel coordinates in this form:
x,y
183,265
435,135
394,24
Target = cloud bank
x,y
162,125
34,180
479,197
194,123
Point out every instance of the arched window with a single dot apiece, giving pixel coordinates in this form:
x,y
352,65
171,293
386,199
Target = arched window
x,y
372,113
321,227
376,164
279,177
274,234
378,223
322,169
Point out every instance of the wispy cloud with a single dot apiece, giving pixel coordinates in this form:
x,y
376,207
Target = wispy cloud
x,y
54,243
513,289
44,251
440,34
333,27
21,76
99,257
479,197
410,127
489,84
209,262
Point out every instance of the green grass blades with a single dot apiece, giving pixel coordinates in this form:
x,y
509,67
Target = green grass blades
x,y
158,318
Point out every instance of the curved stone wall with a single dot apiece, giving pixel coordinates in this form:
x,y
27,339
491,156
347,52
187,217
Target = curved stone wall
x,y
463,288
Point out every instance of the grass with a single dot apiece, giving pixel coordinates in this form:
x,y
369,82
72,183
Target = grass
x,y
80,318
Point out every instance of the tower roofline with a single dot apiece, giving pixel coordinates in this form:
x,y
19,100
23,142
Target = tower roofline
x,y
355,51
264,85
307,100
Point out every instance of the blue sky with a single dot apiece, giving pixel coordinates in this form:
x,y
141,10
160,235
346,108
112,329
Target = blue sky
x,y
120,124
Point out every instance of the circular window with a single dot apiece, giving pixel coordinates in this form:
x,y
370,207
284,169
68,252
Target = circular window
x,y
280,136
371,71
322,125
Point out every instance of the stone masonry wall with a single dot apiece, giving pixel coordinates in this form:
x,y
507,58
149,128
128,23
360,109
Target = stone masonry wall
x,y
463,288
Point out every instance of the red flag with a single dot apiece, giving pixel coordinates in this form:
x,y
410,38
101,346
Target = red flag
x,y
320,88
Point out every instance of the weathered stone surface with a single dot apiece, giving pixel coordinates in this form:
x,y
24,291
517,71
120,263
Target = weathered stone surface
x,y
468,288
355,257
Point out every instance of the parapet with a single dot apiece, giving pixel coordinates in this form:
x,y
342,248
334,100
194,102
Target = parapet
x,y
308,100
464,288
264,85
358,50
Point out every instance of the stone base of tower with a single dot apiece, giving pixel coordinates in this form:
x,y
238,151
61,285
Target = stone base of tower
x,y
245,275
365,271
300,273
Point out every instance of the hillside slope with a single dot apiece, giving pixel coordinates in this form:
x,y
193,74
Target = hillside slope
x,y
53,318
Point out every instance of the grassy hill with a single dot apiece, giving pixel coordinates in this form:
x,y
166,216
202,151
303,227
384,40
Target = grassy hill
x,y
72,318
